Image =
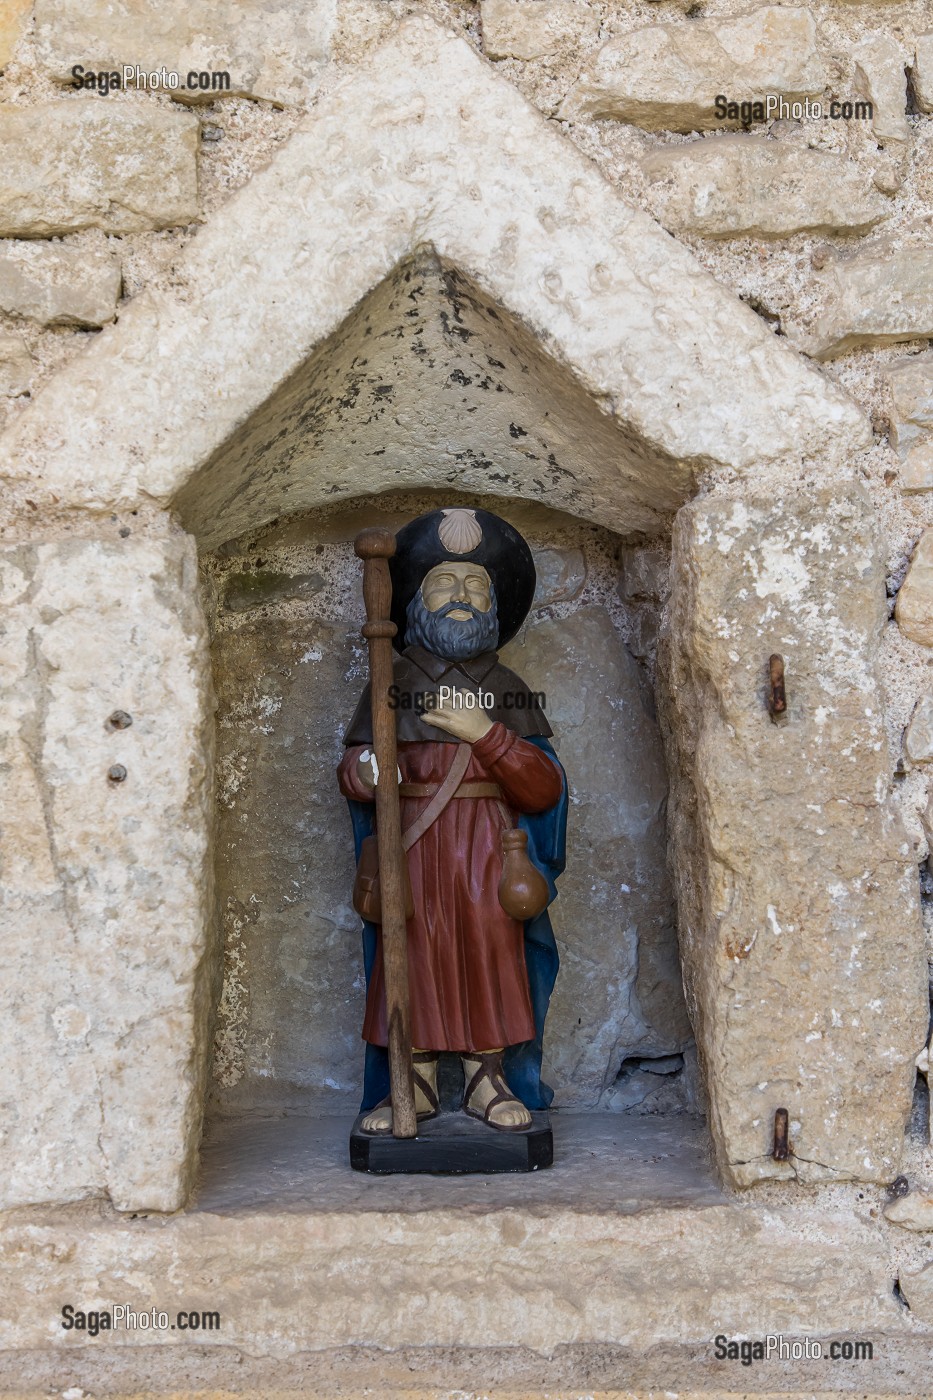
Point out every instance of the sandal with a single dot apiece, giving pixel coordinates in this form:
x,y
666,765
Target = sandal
x,y
490,1067
420,1057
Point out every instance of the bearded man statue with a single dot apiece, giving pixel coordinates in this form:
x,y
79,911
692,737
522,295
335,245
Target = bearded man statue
x,y
479,978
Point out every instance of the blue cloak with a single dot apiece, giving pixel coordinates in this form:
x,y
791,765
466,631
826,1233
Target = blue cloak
x,y
546,848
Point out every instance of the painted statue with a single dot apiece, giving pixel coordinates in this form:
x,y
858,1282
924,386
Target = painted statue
x,y
477,770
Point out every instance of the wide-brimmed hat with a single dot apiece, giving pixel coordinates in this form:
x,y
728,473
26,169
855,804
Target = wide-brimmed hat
x,y
474,536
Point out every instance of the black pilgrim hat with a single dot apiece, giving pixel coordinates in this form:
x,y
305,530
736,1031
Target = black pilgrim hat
x,y
476,536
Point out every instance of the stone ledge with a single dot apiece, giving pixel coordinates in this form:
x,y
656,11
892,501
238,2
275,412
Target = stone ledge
x,y
298,1254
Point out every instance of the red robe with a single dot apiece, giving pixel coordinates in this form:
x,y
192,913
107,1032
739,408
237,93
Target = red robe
x,y
466,962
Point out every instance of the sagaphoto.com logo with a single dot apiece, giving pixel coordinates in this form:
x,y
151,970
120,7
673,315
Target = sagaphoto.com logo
x,y
132,78
773,107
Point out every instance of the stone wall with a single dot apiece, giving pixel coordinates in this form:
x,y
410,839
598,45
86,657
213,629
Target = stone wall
x,y
739,357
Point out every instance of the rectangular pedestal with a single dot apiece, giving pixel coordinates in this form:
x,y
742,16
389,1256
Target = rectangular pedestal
x,y
454,1145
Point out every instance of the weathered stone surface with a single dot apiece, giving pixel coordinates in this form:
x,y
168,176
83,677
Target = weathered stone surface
x,y
58,285
262,587
914,607
88,163
13,17
619,991
271,48
910,382
106,884
645,573
880,75
922,73
914,1211
917,1288
877,296
561,575
917,471
918,741
667,77
15,367
466,165
797,900
290,1019
534,28
747,185
305,1254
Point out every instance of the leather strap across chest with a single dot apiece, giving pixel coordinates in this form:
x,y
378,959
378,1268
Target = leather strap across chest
x,y
440,799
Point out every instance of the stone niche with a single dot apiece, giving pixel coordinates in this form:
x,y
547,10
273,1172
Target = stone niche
x,y
285,609
453,300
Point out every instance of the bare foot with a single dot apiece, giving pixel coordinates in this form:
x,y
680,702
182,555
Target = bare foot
x,y
488,1096
424,1074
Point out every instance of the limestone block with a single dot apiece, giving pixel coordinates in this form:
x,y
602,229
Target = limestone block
x,y
917,1288
910,382
545,253
58,285
918,741
15,367
561,575
877,296
13,17
914,607
917,472
106,884
645,573
914,1211
800,929
88,163
271,50
534,28
299,1254
750,186
613,918
922,73
667,76
880,75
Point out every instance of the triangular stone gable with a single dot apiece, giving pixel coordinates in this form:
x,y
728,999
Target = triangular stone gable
x,y
426,145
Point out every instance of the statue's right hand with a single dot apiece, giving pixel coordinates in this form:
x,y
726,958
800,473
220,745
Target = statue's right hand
x,y
367,769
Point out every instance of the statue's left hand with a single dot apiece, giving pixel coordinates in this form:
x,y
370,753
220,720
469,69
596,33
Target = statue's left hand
x,y
468,725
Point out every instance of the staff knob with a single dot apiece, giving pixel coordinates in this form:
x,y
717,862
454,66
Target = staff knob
x,y
375,543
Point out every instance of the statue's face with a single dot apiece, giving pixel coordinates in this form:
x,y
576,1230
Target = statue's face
x,y
457,582
453,614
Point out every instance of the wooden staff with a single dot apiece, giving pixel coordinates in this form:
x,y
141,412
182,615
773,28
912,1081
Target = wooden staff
x,y
376,547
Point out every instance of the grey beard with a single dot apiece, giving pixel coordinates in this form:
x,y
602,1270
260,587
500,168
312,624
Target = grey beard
x,y
452,639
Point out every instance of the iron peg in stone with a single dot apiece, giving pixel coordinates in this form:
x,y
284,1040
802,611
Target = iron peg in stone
x,y
781,1149
777,696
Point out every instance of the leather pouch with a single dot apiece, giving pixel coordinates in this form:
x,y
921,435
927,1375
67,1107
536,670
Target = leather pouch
x,y
367,896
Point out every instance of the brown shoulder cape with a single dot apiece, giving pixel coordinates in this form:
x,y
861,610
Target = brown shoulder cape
x,y
419,673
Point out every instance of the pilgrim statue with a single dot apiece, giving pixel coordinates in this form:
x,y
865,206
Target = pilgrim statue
x,y
482,812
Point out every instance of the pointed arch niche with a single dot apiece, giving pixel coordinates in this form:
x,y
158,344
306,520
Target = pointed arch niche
x,y
430,291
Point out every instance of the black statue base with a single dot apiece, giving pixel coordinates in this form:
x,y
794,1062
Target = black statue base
x,y
453,1145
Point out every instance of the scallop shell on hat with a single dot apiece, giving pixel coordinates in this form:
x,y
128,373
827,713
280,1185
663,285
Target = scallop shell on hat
x,y
460,531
